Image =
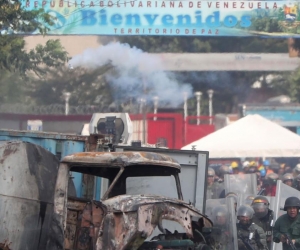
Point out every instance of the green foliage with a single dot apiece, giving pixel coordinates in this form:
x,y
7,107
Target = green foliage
x,y
16,19
13,56
87,87
17,65
158,44
12,88
289,84
265,24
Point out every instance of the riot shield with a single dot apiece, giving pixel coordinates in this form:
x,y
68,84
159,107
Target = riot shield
x,y
233,244
246,199
241,184
210,204
283,192
222,214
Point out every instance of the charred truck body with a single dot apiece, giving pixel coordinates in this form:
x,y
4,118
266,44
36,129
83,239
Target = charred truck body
x,y
40,208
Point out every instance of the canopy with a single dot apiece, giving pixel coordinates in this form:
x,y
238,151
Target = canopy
x,y
251,136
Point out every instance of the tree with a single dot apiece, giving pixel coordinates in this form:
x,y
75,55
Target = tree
x,y
288,84
88,87
17,65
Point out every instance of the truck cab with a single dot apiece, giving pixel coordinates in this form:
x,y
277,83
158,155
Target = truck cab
x,y
40,211
121,220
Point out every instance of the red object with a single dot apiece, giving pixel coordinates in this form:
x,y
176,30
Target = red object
x,y
271,190
164,127
195,132
171,128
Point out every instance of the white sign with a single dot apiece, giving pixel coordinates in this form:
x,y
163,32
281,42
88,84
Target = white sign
x,y
35,125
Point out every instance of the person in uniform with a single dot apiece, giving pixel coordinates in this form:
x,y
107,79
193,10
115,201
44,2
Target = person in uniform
x,y
213,189
220,234
296,183
287,226
288,179
234,197
222,171
250,235
270,183
263,216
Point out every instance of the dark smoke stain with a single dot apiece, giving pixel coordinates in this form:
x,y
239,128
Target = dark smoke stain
x,y
43,165
4,246
42,214
7,152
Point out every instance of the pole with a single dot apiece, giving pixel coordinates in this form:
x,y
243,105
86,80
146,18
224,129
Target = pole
x,y
67,96
210,93
155,101
198,97
185,107
143,112
185,114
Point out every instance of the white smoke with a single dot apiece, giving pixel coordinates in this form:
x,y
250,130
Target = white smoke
x,y
139,74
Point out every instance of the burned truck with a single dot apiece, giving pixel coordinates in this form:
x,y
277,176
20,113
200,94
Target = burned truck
x,y
39,208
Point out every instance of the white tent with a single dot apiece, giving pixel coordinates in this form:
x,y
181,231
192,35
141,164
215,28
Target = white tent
x,y
251,136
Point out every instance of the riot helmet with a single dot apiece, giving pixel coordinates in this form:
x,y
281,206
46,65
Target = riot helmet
x,y
245,211
297,169
224,170
291,202
266,163
234,195
220,215
245,214
272,178
260,205
249,199
211,172
288,179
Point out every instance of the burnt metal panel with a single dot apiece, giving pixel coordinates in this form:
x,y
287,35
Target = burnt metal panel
x,y
131,220
27,180
121,159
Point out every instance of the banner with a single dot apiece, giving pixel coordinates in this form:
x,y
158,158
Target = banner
x,y
172,18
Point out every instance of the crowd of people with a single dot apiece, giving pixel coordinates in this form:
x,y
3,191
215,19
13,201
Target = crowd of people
x,y
266,177
256,228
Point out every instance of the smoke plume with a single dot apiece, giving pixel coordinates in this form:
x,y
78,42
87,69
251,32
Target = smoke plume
x,y
137,74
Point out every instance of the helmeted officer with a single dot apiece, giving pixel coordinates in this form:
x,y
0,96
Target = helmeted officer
x,y
213,189
296,170
263,216
288,179
222,171
234,196
270,183
249,234
296,183
220,218
288,225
